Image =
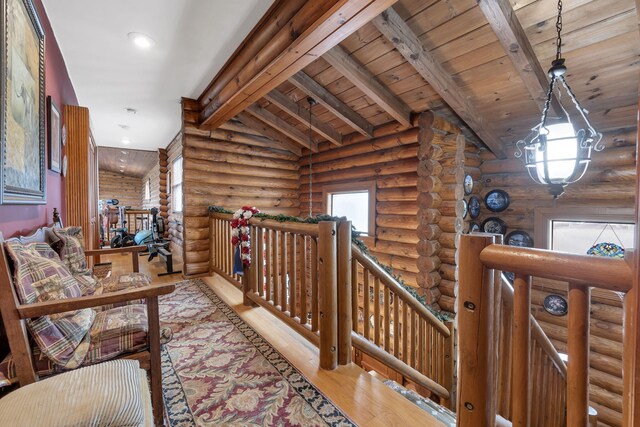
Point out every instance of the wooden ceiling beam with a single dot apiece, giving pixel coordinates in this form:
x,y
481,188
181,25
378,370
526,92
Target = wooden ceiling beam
x,y
313,30
314,89
300,114
506,26
393,27
364,80
279,140
282,126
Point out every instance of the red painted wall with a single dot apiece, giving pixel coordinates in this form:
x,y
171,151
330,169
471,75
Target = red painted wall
x,y
19,219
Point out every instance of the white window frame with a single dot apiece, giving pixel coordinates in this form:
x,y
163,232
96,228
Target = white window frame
x,y
354,187
543,218
177,188
147,189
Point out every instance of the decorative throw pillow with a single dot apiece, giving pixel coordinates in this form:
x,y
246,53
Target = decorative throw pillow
x,y
63,338
71,250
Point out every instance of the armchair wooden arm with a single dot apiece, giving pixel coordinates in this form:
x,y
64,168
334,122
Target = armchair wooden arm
x,y
128,249
27,311
151,294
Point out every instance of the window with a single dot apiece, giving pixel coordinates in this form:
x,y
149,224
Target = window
x,y
576,229
355,201
578,236
176,185
147,189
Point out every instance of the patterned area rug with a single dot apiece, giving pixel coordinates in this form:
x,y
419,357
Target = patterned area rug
x,y
217,370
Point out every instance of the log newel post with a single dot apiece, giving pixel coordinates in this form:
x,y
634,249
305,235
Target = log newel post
x,y
578,349
327,265
521,351
345,324
476,400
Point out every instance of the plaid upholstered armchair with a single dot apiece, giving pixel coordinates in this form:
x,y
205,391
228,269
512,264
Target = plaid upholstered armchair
x,y
72,320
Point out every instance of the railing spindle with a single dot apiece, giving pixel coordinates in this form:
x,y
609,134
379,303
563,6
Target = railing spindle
x,y
366,304
578,349
355,295
268,261
376,311
396,325
405,333
314,285
276,267
387,319
283,272
303,279
344,292
293,276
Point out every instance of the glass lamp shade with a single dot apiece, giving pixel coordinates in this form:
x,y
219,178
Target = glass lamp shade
x,y
559,157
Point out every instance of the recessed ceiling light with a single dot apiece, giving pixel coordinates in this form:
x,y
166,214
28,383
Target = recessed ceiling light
x,y
142,41
126,141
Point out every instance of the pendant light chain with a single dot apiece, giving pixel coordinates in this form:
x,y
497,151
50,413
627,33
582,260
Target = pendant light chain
x,y
559,30
310,168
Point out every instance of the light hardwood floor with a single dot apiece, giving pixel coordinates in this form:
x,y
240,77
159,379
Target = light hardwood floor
x,y
121,263
362,397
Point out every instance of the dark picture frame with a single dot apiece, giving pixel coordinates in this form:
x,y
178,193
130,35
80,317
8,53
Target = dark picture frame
x,y
54,136
22,114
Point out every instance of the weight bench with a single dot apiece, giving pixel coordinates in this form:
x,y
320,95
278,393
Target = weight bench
x,y
167,257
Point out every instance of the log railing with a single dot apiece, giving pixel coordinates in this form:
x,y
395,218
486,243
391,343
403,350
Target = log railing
x,y
389,318
314,279
221,249
547,370
523,380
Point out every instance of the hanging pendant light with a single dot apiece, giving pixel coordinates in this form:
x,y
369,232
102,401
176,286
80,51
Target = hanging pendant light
x,y
556,154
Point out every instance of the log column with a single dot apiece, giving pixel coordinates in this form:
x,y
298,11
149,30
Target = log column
x,y
428,184
164,196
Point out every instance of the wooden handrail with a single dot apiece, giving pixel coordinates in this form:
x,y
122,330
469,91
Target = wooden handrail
x,y
46,308
287,227
377,353
605,273
393,285
537,334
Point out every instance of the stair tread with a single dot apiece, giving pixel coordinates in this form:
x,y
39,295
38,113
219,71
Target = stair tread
x,y
432,408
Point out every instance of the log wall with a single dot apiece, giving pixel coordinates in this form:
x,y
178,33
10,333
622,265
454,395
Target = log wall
x,y
175,229
127,189
153,177
389,159
609,182
230,169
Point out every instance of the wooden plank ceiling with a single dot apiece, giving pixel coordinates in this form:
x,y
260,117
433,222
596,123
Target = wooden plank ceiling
x,y
127,162
481,63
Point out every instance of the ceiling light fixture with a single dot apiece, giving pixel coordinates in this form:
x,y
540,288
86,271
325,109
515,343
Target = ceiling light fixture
x,y
130,111
125,141
141,40
556,154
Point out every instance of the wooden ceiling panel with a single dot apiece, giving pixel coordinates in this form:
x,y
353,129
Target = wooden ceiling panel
x,y
129,162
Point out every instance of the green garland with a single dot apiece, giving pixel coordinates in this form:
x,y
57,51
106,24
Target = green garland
x,y
442,316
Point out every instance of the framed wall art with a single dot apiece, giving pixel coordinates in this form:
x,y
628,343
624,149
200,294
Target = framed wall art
x,y
22,116
53,136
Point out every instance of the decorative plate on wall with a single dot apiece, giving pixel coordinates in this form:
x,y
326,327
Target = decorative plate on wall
x,y
465,208
496,200
474,227
556,305
519,238
494,225
510,275
468,185
474,207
